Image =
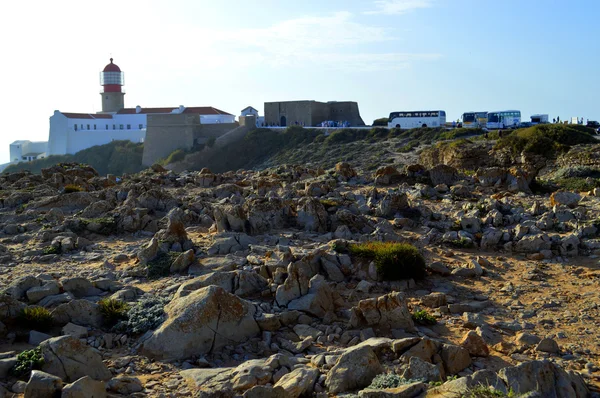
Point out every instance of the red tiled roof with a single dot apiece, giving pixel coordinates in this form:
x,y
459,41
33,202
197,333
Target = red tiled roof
x,y
87,115
199,110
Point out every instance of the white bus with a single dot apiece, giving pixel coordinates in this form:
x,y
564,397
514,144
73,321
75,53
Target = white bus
x,y
503,119
472,120
538,119
414,119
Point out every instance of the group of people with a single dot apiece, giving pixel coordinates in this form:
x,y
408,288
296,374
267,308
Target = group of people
x,y
331,123
557,120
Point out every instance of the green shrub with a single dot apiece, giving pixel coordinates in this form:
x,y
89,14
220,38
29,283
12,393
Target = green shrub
x,y
545,139
113,311
482,391
423,317
27,361
159,267
578,184
69,188
35,318
378,133
463,243
389,380
52,249
116,157
394,261
147,314
327,203
343,136
176,156
382,121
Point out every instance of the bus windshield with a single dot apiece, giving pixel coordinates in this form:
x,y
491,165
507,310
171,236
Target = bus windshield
x,y
493,117
468,117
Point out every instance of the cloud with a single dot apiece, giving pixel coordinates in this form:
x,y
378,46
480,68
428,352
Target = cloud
x,y
334,41
395,7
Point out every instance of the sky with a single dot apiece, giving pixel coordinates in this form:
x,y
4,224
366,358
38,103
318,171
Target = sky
x,y
537,56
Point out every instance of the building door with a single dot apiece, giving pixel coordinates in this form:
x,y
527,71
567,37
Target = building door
x,y
283,121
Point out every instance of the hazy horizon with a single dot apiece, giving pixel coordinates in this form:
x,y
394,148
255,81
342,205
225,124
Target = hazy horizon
x,y
387,55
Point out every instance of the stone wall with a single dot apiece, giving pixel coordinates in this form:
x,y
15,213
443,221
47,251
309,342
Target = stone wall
x,y
166,133
311,113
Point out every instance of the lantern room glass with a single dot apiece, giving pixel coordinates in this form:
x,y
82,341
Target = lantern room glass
x,y
112,78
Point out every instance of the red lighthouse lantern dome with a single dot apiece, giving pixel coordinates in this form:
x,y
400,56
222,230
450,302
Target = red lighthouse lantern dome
x,y
111,67
111,78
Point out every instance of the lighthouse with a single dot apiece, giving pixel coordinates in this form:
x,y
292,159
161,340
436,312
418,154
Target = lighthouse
x,y
111,80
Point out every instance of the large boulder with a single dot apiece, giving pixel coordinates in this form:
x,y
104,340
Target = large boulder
x,y
569,199
86,387
544,377
345,171
80,312
312,215
355,369
10,307
70,359
175,231
42,385
391,204
239,282
205,320
389,311
443,174
299,382
297,282
319,299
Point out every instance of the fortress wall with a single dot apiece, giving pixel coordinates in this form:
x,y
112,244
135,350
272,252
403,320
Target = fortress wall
x,y
167,132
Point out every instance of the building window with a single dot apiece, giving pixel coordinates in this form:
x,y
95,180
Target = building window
x,y
120,127
82,126
114,126
94,127
129,127
141,126
107,126
88,126
75,127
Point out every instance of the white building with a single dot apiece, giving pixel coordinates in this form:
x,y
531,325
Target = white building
x,y
26,151
73,132
250,111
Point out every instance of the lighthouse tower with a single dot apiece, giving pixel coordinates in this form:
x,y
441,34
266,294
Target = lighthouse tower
x,y
111,80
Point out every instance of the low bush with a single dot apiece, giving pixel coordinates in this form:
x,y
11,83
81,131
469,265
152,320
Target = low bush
x,y
116,157
382,121
578,184
159,267
482,391
545,139
394,261
113,311
343,136
463,243
175,156
52,249
35,318
423,317
70,188
147,314
26,362
389,380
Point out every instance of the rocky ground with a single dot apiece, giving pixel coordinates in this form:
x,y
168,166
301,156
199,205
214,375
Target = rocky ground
x,y
245,283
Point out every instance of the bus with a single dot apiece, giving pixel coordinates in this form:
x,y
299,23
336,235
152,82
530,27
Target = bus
x,y
539,119
473,120
414,119
503,119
